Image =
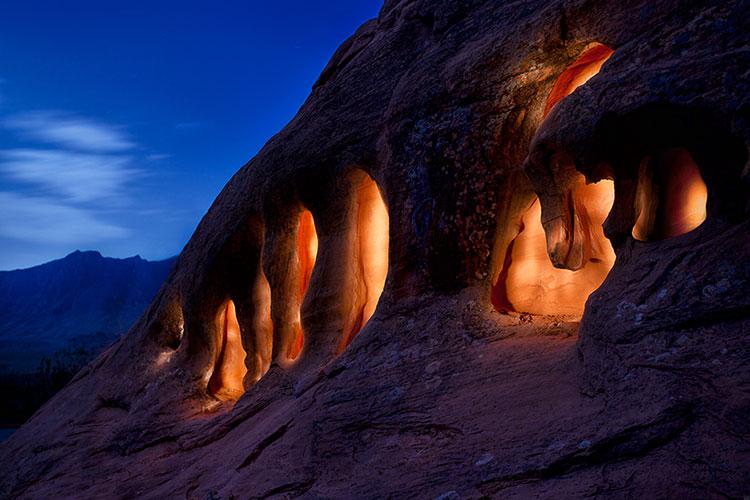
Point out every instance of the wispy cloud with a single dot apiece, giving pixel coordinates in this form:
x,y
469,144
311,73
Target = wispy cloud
x,y
157,157
70,131
68,182
46,221
76,176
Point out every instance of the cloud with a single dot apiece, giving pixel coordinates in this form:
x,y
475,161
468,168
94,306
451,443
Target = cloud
x,y
70,131
71,187
45,221
158,157
79,177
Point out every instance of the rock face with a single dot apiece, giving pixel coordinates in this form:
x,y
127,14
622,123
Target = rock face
x,y
253,376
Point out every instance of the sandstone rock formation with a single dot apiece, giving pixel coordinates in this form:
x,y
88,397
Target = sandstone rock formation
x,y
454,135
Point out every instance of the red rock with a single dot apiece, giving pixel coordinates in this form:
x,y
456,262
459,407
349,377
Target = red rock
x,y
441,104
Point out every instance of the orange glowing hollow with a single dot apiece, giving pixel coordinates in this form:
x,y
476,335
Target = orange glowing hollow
x,y
529,283
226,382
584,68
262,326
373,244
369,246
307,251
671,197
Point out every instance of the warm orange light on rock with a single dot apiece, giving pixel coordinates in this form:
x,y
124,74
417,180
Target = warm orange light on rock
x,y
262,326
369,246
529,283
307,251
373,244
586,66
671,196
226,382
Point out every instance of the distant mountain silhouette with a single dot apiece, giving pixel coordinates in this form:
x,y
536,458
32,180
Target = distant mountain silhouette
x,y
82,300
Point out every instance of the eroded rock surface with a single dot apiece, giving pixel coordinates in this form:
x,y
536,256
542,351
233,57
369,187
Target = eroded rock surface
x,y
454,387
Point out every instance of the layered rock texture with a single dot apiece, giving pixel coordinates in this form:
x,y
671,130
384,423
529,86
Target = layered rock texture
x,y
477,163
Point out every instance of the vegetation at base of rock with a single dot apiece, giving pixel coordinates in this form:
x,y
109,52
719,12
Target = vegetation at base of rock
x,y
25,392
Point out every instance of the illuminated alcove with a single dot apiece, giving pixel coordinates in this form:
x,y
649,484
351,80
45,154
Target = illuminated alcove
x,y
305,255
582,70
240,324
262,325
368,249
227,379
671,196
528,282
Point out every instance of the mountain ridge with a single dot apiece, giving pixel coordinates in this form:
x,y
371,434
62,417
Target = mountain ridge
x,y
83,299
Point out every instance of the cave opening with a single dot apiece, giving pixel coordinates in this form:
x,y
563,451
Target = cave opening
x,y
528,282
675,167
671,196
306,254
368,248
262,325
227,379
578,73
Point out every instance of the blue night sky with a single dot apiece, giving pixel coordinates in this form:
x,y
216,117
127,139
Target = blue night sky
x,y
120,121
